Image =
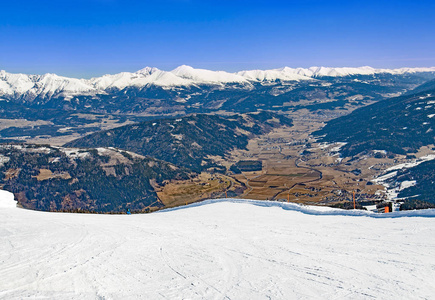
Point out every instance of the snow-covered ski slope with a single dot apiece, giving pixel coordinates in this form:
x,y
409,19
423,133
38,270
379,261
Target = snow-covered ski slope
x,y
217,250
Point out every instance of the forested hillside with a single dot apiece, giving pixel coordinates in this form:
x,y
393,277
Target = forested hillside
x,y
61,179
399,125
424,188
187,141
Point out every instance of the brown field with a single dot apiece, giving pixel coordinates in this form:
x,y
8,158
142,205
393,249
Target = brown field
x,y
102,122
317,178
45,174
204,186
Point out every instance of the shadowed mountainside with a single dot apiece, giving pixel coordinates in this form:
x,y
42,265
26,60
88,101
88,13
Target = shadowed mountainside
x,y
399,125
92,180
186,141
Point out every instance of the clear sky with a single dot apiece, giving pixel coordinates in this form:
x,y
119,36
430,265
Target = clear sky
x,y
84,38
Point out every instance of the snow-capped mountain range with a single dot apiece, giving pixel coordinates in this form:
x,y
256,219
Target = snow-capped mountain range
x,y
52,85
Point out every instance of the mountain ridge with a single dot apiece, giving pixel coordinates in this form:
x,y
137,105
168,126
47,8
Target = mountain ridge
x,y
52,85
399,125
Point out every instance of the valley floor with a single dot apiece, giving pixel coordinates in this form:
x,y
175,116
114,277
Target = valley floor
x,y
217,250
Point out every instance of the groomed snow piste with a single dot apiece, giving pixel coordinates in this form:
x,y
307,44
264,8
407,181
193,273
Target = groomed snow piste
x,y
227,249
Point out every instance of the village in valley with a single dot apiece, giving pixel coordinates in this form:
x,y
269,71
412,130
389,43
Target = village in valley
x,y
289,165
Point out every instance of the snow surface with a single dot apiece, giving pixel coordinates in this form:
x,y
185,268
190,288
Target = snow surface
x,y
407,184
74,153
43,85
413,163
217,249
7,200
286,73
275,74
140,78
393,187
206,76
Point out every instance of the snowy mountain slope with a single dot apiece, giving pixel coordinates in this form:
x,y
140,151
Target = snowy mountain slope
x,y
48,85
207,76
139,79
272,75
51,85
10,83
214,251
290,74
323,71
30,87
337,72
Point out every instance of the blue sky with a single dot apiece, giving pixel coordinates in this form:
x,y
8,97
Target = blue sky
x,y
94,37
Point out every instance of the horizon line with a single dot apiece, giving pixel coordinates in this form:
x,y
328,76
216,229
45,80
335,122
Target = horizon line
x,y
184,65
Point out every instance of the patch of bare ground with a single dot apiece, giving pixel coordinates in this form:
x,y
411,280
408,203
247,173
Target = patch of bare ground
x,y
203,186
6,123
45,174
101,122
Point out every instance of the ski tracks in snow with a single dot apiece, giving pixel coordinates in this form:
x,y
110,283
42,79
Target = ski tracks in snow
x,y
221,250
215,284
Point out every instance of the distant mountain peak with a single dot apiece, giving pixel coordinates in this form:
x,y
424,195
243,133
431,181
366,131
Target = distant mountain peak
x,y
147,70
52,85
183,68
